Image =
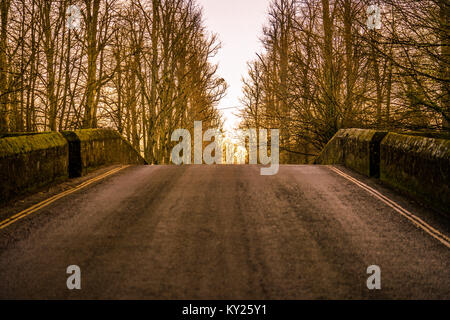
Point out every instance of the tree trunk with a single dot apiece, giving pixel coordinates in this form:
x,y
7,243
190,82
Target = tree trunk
x,y
445,62
90,110
4,112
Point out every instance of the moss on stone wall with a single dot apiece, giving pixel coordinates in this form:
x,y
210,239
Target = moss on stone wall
x,y
11,146
427,134
16,134
96,134
425,147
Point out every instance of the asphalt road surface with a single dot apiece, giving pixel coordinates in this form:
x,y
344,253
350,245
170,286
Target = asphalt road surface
x,y
224,232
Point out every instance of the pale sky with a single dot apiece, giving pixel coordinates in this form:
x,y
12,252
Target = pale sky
x,y
238,24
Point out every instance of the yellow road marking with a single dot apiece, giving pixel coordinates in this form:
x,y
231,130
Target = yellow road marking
x,y
408,215
42,204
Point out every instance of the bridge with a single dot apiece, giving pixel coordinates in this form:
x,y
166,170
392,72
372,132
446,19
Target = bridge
x,y
221,231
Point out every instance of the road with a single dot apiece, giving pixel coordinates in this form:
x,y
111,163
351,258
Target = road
x,y
224,232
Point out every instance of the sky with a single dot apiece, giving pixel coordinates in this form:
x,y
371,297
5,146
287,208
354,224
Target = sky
x,y
238,24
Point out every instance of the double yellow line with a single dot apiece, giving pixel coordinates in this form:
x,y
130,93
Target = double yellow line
x,y
408,215
40,205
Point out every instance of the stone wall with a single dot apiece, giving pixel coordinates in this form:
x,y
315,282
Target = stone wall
x,y
357,149
32,161
413,164
419,166
92,148
333,152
